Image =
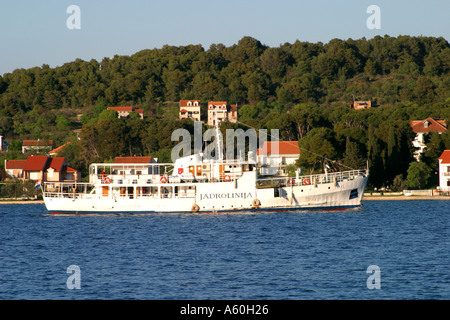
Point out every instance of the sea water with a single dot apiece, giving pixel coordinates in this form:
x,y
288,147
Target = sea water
x,y
384,250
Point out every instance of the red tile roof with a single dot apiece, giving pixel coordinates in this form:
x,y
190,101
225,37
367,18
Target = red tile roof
x,y
445,157
132,159
57,164
284,147
14,164
37,143
59,148
434,125
35,163
183,111
217,103
129,109
183,103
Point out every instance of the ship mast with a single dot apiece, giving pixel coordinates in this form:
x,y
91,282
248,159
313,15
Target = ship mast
x,y
218,138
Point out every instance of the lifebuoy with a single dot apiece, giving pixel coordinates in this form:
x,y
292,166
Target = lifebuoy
x,y
107,180
227,178
306,182
256,203
163,179
195,208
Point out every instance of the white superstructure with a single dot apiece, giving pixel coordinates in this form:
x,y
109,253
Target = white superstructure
x,y
195,185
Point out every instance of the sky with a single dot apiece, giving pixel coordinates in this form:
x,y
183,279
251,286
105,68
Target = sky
x,y
33,33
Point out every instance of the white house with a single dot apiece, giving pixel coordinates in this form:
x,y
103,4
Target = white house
x,y
444,171
422,128
221,111
37,145
273,157
190,109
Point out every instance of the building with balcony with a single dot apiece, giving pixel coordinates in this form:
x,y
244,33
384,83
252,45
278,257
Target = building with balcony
x,y
423,127
444,171
221,111
190,109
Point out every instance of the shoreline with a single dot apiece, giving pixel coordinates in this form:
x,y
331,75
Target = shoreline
x,y
404,198
21,201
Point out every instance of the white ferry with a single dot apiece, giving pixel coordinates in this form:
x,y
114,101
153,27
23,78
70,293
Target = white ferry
x,y
196,185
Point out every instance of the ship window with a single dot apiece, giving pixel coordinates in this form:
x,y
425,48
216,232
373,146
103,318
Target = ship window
x,y
276,192
353,194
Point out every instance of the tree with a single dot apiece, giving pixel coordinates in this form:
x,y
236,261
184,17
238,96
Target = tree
x,y
398,184
393,156
318,146
371,69
418,175
62,123
107,115
353,158
375,155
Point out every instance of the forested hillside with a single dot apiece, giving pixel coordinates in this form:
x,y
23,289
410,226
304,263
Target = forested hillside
x,y
304,89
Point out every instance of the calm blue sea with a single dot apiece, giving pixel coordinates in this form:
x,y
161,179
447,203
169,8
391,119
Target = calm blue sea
x,y
246,256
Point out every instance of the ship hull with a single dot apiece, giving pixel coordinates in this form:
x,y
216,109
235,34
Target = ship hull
x,y
227,197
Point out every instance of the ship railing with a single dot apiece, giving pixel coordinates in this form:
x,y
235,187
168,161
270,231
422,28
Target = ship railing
x,y
68,190
77,195
144,179
70,195
314,179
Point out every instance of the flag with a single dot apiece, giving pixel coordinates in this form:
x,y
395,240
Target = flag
x,y
37,185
